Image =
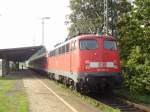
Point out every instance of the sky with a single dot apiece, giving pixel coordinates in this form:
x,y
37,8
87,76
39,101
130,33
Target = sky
x,y
20,22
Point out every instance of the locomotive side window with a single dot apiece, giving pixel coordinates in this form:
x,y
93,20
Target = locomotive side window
x,y
63,49
110,45
88,44
67,47
56,51
59,50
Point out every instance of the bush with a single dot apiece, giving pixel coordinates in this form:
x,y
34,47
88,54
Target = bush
x,y
137,79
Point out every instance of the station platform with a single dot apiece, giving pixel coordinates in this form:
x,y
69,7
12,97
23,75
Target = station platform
x,y
47,96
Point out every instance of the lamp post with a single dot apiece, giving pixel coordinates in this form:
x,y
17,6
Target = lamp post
x,y
43,22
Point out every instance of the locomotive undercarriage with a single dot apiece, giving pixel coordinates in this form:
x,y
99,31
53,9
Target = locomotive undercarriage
x,y
87,84
95,85
62,79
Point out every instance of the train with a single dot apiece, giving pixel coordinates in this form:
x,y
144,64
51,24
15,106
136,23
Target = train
x,y
86,63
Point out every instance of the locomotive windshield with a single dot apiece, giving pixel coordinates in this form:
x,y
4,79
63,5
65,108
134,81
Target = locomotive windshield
x,y
110,45
88,44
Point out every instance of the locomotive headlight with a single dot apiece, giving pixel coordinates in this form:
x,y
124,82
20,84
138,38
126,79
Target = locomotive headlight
x,y
91,65
99,65
110,65
94,64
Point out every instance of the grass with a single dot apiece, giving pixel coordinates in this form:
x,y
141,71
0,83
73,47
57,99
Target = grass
x,y
141,98
135,97
12,99
86,99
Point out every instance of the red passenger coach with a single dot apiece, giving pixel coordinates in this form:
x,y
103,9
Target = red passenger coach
x,y
86,62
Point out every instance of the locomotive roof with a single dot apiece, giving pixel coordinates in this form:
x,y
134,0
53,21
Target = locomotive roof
x,y
83,36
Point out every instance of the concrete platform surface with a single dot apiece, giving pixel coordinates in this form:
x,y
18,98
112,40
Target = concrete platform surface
x,y
45,98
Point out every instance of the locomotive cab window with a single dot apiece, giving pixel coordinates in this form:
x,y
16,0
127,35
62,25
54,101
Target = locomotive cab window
x,y
88,44
110,45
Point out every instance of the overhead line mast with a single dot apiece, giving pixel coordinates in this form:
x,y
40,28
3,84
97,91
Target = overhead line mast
x,y
110,17
106,17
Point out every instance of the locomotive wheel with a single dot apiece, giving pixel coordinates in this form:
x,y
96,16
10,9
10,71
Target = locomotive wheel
x,y
71,87
82,88
85,89
50,76
76,87
66,82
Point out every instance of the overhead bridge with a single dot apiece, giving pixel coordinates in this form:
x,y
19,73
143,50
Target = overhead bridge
x,y
16,55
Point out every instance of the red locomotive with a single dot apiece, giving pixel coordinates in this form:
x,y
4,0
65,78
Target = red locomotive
x,y
86,62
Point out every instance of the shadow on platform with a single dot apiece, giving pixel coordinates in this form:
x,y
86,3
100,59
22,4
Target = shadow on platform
x,y
22,74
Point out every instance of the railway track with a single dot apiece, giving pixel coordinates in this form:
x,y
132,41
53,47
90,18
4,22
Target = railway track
x,y
118,103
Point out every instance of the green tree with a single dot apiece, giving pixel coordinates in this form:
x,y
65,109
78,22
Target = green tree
x,y
88,15
134,30
134,39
